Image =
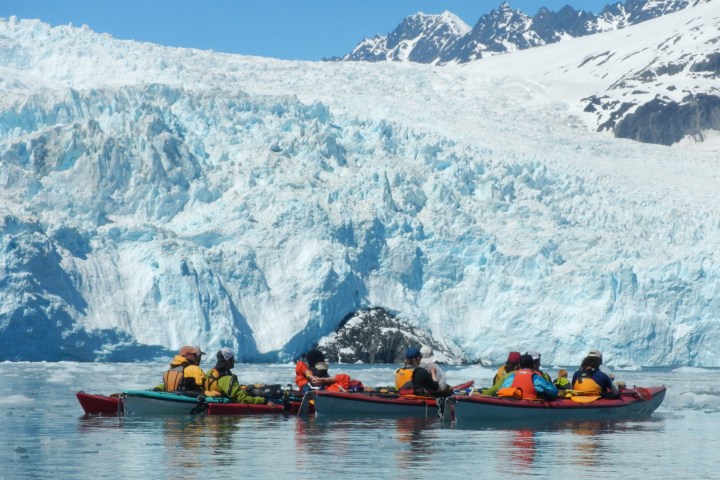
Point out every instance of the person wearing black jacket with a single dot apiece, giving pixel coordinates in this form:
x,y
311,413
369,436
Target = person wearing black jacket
x,y
425,382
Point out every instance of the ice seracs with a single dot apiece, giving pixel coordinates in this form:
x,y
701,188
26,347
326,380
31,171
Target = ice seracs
x,y
153,197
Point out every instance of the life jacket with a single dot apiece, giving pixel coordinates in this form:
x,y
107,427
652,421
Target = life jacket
x,y
403,378
586,384
174,378
524,381
213,376
562,382
500,373
182,376
302,372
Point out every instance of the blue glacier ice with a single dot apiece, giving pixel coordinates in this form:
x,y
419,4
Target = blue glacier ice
x,y
152,197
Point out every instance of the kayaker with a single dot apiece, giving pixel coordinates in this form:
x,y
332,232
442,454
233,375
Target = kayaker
x,y
403,375
184,373
531,383
309,376
510,365
536,365
591,380
427,361
221,382
323,380
421,381
603,368
303,369
562,382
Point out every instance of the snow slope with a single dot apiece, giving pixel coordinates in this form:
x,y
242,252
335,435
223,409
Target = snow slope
x,y
153,197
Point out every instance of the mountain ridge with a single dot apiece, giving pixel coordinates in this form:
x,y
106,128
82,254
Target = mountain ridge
x,y
503,30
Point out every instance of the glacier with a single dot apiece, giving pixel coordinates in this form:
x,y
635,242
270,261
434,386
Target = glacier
x,y
154,197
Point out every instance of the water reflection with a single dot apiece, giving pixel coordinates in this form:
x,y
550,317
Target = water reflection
x,y
521,449
419,447
374,444
573,443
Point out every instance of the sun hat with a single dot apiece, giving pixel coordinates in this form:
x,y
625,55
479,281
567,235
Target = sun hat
x,y
513,357
189,350
412,352
426,351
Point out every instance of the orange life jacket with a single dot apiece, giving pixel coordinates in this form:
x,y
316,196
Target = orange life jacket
x,y
403,378
524,380
184,377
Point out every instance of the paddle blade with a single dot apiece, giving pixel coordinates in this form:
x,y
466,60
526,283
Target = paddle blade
x,y
584,398
643,393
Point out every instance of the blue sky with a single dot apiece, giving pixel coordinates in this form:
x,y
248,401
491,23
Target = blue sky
x,y
296,30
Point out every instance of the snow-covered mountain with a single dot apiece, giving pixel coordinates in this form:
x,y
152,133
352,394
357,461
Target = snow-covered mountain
x,y
153,197
444,38
669,95
419,38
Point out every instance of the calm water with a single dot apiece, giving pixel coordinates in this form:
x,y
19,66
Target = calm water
x,y
43,434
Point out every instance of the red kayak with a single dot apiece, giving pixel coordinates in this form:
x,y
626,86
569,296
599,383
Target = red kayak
x,y
635,402
95,404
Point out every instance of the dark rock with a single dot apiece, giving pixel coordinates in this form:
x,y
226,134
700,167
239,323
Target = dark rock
x,y
663,122
375,336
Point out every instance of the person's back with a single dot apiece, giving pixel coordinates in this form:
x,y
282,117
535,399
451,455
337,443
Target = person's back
x,y
590,380
562,382
222,382
531,383
225,360
509,366
425,382
185,373
404,374
427,361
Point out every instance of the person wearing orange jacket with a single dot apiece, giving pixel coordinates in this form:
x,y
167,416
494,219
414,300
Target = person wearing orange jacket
x,y
312,373
532,384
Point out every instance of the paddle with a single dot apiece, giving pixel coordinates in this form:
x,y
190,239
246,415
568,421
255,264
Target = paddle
x,y
305,404
643,393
